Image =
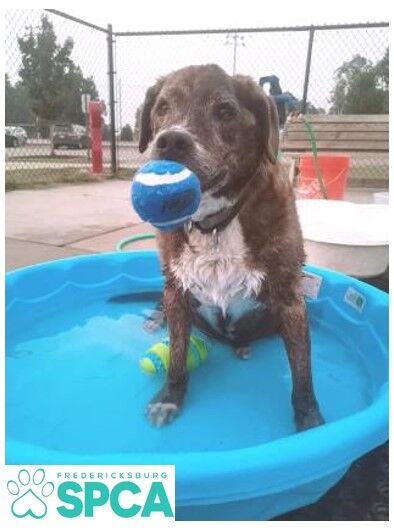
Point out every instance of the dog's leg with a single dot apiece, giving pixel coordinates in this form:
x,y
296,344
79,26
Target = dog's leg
x,y
294,329
166,404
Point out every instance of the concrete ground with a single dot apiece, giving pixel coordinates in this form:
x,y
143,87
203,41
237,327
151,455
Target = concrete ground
x,y
69,220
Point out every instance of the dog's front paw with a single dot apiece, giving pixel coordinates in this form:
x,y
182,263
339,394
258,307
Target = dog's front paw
x,y
161,413
165,405
242,352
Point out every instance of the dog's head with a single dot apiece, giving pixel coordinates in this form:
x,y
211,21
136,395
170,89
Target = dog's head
x,y
221,127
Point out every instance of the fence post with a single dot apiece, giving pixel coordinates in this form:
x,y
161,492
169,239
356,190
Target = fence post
x,y
111,82
307,70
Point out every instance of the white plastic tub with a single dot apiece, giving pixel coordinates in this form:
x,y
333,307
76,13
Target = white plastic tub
x,y
345,237
381,197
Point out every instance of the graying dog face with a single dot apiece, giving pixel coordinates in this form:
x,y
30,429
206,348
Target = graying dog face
x,y
218,126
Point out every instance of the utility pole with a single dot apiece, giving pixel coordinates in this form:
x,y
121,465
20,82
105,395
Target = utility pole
x,y
235,40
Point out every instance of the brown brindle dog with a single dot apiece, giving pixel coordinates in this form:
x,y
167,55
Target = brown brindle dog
x,y
235,270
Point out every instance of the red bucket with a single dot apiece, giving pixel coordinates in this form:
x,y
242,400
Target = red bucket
x,y
334,170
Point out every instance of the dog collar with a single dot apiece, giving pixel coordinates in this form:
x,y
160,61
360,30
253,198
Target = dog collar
x,y
219,221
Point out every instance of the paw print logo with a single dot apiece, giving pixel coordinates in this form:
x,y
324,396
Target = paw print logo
x,y
30,492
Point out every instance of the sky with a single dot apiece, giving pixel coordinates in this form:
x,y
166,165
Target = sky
x,y
181,14
140,60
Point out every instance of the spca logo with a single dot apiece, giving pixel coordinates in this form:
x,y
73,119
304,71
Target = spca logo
x,y
121,494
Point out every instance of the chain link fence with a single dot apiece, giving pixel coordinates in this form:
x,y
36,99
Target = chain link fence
x,y
316,67
51,62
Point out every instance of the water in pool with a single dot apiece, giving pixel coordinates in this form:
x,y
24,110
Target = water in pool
x,y
74,384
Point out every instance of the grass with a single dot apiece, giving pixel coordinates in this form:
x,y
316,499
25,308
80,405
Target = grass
x,y
55,159
35,178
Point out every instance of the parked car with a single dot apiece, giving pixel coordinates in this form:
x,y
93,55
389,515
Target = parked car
x,y
70,135
15,136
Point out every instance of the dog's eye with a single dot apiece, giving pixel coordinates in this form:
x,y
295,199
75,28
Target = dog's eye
x,y
225,111
162,107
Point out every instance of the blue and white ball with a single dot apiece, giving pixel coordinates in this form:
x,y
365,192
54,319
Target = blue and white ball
x,y
165,193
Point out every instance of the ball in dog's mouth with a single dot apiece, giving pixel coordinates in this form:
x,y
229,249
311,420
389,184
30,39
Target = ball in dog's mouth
x,y
165,193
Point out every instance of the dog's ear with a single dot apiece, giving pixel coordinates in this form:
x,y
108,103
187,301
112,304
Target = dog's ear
x,y
146,125
264,109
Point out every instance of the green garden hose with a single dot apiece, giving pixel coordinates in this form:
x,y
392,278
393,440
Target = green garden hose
x,y
133,239
312,140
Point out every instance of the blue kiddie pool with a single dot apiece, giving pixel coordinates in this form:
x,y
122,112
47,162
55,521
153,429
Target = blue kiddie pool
x,y
75,393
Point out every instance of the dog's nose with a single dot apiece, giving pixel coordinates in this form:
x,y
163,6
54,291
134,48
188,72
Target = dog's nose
x,y
174,144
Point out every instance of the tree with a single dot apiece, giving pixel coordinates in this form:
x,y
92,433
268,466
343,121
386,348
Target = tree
x,y
76,85
17,108
126,134
53,82
314,110
361,87
382,77
382,70
45,65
